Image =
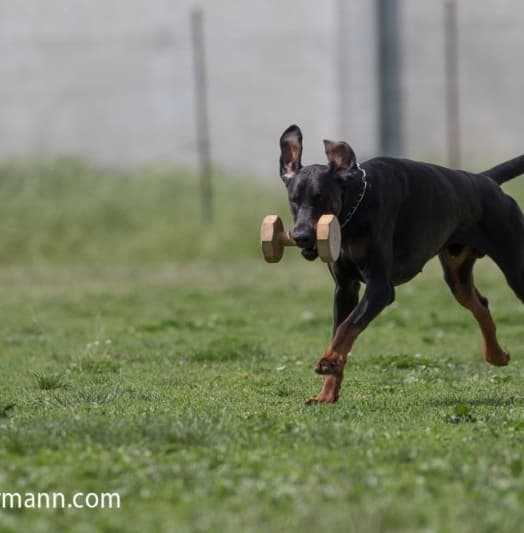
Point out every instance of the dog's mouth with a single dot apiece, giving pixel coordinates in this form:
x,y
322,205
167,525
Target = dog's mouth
x,y
309,253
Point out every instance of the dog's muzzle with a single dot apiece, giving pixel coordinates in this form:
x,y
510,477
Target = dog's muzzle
x,y
304,238
309,253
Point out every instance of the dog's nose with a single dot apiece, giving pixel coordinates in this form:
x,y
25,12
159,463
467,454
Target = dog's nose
x,y
303,238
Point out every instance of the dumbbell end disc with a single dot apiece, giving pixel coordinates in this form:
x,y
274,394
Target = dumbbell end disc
x,y
272,248
328,238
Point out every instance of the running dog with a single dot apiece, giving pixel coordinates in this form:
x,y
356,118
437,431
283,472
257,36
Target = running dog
x,y
395,215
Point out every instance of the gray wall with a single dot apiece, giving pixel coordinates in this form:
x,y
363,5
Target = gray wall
x,y
111,80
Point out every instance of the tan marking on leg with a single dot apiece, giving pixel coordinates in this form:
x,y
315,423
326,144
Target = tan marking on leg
x,y
459,276
334,359
332,364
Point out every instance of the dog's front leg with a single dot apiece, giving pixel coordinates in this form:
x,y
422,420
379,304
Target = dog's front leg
x,y
378,294
344,301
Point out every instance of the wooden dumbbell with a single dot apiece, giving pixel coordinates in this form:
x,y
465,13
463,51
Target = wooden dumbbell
x,y
273,238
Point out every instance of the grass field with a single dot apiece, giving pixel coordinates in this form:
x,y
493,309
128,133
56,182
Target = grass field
x,y
141,359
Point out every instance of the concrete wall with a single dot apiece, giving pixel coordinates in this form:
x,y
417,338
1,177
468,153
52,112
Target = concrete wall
x,y
111,80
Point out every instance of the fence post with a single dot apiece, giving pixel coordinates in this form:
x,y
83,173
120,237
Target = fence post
x,y
342,69
201,114
389,63
452,83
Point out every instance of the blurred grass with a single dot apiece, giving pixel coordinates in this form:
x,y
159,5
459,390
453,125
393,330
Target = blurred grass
x,y
66,212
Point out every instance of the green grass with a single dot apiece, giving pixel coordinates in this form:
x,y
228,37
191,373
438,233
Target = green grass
x,y
179,381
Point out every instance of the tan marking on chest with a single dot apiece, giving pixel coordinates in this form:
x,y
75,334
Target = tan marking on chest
x,y
358,248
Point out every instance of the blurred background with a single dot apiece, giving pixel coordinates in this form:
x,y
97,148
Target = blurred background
x,y
116,116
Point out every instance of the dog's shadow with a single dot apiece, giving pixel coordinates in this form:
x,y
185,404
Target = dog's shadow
x,y
489,401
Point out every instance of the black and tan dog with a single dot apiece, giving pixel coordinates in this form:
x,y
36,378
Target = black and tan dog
x,y
395,215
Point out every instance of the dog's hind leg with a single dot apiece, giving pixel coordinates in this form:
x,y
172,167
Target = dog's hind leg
x,y
504,239
516,282
508,253
457,264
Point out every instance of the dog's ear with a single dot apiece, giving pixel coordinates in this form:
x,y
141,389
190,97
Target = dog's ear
x,y
340,155
290,153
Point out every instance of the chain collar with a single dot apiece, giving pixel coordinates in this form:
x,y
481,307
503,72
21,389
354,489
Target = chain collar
x,y
353,210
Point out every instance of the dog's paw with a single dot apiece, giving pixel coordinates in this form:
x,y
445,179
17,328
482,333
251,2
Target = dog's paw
x,y
319,400
498,358
311,401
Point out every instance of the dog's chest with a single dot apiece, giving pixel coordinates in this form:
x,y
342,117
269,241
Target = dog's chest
x,y
358,249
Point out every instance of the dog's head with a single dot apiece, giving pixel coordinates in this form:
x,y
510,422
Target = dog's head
x,y
313,190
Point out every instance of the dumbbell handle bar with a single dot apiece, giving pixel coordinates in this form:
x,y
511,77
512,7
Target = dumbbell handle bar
x,y
285,238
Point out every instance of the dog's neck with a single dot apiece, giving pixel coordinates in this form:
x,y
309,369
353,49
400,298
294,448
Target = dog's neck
x,y
353,195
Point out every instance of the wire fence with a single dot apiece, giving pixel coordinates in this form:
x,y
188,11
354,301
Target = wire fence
x,y
114,82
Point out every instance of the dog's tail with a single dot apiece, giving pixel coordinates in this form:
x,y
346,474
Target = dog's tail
x,y
507,170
